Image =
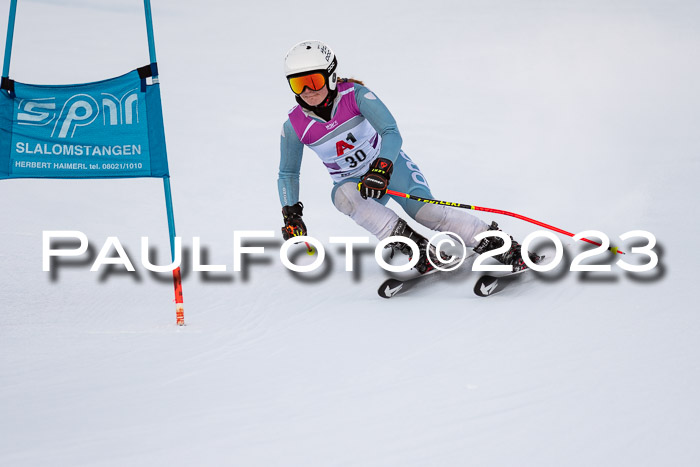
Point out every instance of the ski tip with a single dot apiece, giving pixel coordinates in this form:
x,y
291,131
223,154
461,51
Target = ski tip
x,y
390,287
486,285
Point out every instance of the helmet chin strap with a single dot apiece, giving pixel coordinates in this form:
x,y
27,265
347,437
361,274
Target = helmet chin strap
x,y
328,101
323,109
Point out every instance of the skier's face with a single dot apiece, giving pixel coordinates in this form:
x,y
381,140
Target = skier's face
x,y
314,97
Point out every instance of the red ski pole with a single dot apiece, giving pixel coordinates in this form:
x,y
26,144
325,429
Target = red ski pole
x,y
495,211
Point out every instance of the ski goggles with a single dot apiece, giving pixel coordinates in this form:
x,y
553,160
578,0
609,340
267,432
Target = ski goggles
x,y
314,81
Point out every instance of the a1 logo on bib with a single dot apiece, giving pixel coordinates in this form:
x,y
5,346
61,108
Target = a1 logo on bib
x,y
342,146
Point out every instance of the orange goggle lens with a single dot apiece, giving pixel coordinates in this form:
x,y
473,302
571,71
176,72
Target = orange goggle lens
x,y
314,81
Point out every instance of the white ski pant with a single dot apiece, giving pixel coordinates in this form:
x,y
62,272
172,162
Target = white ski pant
x,y
379,220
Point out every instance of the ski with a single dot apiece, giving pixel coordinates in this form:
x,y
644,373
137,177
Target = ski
x,y
488,285
392,287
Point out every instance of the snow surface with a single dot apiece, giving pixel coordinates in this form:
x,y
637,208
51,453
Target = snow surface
x,y
582,114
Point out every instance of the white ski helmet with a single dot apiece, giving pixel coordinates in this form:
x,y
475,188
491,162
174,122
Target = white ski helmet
x,y
310,56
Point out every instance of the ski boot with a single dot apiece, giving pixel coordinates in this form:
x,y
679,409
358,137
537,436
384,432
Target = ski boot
x,y
513,257
423,266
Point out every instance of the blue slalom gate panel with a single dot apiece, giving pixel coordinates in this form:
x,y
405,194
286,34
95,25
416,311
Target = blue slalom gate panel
x,y
106,129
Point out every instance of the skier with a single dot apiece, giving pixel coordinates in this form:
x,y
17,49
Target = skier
x,y
357,139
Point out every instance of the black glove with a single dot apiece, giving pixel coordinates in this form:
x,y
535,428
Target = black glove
x,y
376,181
293,225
